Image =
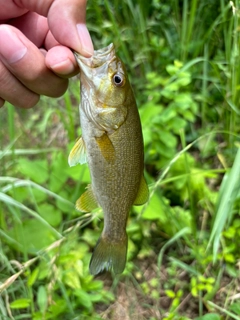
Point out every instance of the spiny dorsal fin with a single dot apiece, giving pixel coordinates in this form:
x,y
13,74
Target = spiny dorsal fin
x,y
77,154
106,147
143,193
87,202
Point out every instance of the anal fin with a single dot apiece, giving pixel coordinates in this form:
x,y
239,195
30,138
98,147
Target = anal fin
x,y
87,202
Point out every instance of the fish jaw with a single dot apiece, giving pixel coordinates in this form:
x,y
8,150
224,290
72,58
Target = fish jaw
x,y
97,75
98,58
94,68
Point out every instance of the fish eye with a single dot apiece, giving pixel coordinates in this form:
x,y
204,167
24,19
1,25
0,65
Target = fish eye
x,y
118,80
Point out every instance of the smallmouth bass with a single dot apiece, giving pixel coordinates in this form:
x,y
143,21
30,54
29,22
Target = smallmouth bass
x,y
112,144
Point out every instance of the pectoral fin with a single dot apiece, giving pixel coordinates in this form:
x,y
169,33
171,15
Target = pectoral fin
x,y
77,154
87,202
106,147
143,193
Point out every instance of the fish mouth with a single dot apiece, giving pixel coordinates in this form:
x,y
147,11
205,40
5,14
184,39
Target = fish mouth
x,y
98,58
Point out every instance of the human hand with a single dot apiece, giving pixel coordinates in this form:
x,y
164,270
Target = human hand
x,y
35,37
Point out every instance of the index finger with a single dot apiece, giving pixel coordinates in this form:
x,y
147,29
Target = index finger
x,y
67,21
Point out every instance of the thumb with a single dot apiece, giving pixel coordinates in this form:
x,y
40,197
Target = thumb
x,y
67,22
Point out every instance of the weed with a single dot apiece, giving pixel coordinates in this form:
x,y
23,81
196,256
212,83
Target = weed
x,y
183,255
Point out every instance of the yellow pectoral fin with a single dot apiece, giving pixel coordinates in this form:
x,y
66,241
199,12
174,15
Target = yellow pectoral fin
x,y
143,193
87,202
77,154
106,147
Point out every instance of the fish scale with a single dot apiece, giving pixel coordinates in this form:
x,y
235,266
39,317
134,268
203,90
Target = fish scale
x,y
113,142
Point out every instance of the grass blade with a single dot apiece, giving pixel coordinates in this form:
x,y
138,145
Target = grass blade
x,y
177,236
20,152
229,190
15,183
8,200
228,313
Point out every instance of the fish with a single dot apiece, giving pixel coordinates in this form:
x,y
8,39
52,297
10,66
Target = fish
x,y
112,145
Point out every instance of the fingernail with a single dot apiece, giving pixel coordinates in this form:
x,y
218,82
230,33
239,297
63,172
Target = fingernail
x,y
85,40
11,47
65,67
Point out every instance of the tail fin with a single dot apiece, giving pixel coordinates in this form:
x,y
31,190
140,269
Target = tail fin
x,y
108,255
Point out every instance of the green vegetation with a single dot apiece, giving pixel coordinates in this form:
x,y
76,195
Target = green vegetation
x,y
184,245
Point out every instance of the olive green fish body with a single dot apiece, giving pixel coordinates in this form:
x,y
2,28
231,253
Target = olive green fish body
x,y
112,137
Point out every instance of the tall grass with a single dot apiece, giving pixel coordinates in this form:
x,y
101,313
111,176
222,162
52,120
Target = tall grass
x,y
193,206
228,194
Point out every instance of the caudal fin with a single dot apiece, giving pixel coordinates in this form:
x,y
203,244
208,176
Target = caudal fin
x,y
108,256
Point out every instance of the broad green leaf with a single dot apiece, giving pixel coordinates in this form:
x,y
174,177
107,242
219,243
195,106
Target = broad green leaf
x,y
90,236
96,297
183,80
20,194
170,89
20,304
154,80
235,307
36,170
79,173
188,115
169,94
32,235
58,307
209,316
171,294
165,150
58,174
83,299
172,69
167,138
95,285
168,114
154,209
39,195
176,124
42,298
50,213
64,206
149,111
12,202
33,277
